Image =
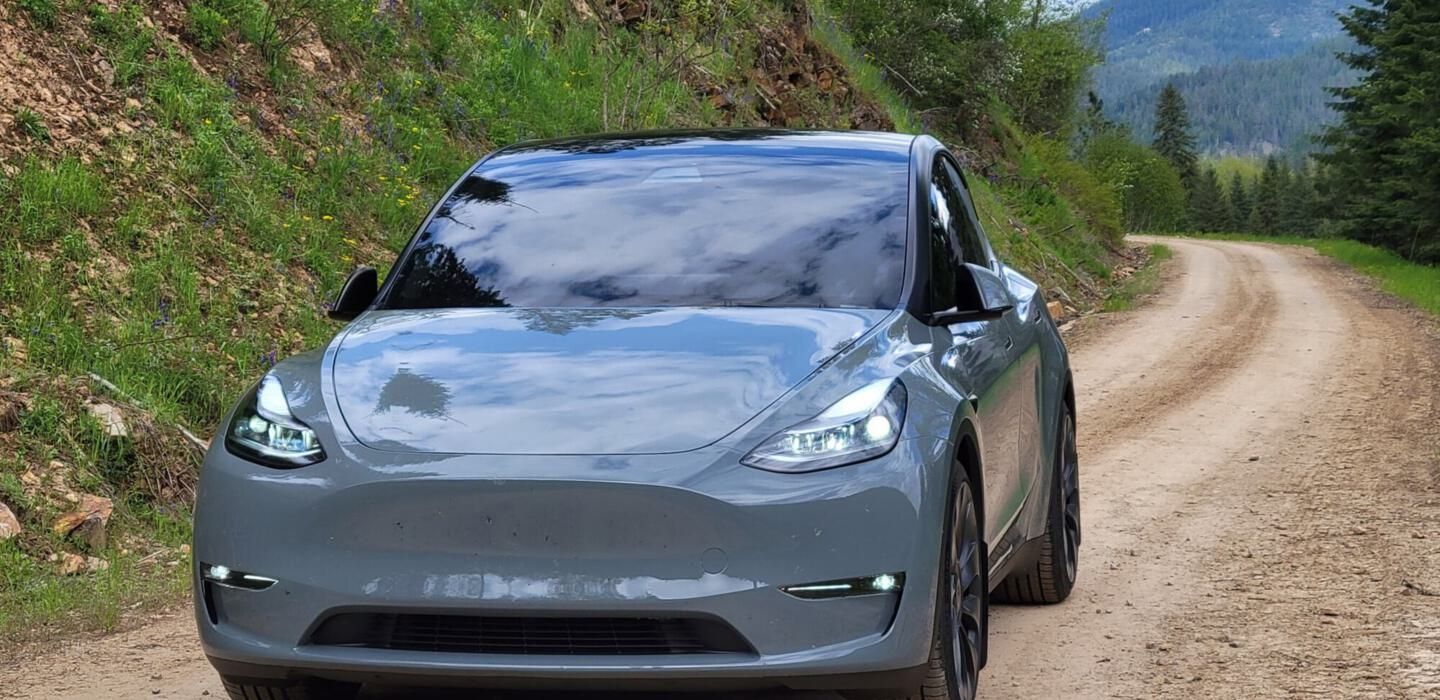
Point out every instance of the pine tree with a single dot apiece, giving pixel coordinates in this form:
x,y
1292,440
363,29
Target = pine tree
x,y
1094,123
1298,203
1239,204
1384,155
1172,134
1265,217
1207,204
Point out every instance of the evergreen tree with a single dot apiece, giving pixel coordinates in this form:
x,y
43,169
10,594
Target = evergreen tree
x,y
1384,155
1208,213
1172,134
1094,123
1265,217
1239,204
1298,205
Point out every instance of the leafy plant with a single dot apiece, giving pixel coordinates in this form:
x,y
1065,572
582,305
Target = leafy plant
x,y
42,12
32,124
206,26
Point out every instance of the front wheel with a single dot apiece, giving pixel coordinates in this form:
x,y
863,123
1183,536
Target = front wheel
x,y
1052,577
961,608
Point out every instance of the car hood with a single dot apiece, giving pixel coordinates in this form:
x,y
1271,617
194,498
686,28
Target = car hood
x,y
576,381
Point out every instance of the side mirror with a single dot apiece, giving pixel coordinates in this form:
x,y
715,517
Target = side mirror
x,y
357,295
982,295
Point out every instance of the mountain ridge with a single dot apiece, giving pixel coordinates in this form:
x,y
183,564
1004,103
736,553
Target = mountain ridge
x,y
1219,52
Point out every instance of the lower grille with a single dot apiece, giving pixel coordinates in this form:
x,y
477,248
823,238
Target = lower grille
x,y
470,634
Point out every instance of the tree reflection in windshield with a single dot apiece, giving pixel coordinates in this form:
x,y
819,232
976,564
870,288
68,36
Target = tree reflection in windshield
x,y
678,222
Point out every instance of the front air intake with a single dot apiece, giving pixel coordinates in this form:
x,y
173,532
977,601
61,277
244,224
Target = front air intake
x,y
471,634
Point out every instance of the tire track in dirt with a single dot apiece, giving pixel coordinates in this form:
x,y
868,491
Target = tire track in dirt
x,y
1225,306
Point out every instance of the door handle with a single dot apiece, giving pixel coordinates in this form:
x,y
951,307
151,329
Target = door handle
x,y
1009,342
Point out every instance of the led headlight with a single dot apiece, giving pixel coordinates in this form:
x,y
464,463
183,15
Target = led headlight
x,y
264,431
861,426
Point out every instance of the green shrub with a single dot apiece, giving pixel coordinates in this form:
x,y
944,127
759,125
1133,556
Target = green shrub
x,y
1153,196
42,12
1091,197
206,26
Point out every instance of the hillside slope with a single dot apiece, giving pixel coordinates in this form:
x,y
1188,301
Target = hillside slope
x,y
183,186
1150,39
1251,106
1253,70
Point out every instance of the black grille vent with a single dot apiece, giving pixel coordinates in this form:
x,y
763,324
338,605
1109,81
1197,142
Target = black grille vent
x,y
469,634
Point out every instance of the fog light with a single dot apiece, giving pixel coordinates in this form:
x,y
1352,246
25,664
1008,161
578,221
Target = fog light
x,y
225,576
866,585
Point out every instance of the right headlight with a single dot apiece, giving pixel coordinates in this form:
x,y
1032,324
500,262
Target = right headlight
x,y
264,431
863,425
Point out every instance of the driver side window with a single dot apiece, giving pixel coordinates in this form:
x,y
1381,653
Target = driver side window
x,y
945,258
972,244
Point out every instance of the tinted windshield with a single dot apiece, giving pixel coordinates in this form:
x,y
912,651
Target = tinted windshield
x,y
667,226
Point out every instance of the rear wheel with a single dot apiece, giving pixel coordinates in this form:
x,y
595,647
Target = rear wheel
x,y
961,608
1052,577
309,689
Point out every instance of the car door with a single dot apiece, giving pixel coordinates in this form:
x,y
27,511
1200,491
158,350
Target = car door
x,y
976,356
1022,383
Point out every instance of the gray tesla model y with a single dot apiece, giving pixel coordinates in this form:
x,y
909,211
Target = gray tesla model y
x,y
728,409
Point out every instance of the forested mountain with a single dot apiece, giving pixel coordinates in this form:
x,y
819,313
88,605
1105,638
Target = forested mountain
x,y
1252,106
1253,71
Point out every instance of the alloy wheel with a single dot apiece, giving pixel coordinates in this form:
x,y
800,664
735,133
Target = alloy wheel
x,y
967,595
1070,493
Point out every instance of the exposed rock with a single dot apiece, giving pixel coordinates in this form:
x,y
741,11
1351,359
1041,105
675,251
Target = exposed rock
x,y
86,524
11,406
14,348
582,9
90,533
312,55
110,418
1056,309
96,564
9,524
70,564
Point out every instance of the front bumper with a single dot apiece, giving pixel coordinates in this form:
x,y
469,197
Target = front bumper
x,y
692,535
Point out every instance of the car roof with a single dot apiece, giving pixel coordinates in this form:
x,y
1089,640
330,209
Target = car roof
x,y
877,145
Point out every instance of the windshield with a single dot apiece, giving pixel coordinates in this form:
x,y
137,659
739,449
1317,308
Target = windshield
x,y
660,227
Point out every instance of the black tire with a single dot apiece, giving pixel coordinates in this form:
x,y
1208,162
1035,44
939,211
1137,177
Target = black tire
x,y
957,652
1052,577
310,689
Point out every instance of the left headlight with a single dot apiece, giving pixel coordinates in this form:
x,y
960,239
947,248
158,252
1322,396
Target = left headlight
x,y
264,431
863,425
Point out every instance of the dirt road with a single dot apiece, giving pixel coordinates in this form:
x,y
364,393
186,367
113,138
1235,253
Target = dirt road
x,y
1261,482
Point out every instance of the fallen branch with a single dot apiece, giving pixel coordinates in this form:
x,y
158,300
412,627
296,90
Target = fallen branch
x,y
1422,590
200,446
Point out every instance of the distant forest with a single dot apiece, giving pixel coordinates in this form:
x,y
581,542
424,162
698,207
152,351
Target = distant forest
x,y
1253,72
1252,107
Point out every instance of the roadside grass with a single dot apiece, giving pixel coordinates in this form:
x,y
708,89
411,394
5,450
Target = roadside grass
x,y
1413,282
32,597
1142,283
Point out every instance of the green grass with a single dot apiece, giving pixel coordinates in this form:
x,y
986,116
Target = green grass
x,y
1415,283
32,125
32,597
1140,284
42,12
